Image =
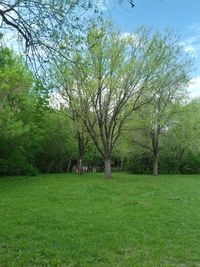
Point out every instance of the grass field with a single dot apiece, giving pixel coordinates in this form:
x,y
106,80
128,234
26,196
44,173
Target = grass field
x,y
67,220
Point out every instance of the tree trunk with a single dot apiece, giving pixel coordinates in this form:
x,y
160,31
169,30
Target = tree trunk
x,y
181,166
155,147
155,164
80,166
122,164
107,165
69,165
180,169
80,152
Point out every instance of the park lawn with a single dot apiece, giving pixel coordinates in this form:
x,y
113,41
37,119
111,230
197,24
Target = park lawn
x,y
131,220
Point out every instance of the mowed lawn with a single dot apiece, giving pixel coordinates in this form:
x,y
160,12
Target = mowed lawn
x,y
131,220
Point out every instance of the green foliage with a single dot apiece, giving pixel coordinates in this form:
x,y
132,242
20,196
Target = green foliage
x,y
15,115
58,145
179,143
183,140
103,88
29,134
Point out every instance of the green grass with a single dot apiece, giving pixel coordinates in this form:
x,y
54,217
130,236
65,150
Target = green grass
x,y
68,220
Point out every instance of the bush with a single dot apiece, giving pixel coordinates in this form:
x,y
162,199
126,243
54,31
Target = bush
x,y
16,166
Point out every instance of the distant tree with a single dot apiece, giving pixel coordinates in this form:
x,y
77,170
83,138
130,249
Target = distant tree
x,y
183,140
80,134
155,119
58,147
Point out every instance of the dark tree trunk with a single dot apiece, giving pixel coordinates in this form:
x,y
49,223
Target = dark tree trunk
x,y
80,165
108,172
155,147
80,152
107,165
181,169
69,165
155,164
121,164
181,166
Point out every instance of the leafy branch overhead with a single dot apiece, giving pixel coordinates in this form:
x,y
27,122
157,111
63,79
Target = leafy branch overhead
x,y
46,27
41,26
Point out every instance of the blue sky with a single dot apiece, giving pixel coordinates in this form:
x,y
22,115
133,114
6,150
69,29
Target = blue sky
x,y
183,16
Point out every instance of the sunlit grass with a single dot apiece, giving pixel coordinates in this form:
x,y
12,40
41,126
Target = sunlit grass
x,y
68,220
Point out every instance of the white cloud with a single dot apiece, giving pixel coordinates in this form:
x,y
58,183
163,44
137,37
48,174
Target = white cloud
x,y
125,35
189,48
129,35
56,101
194,87
192,45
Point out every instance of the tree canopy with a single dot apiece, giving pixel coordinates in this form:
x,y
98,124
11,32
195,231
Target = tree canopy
x,y
113,76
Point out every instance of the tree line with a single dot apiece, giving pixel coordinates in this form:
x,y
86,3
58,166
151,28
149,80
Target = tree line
x,y
121,100
121,104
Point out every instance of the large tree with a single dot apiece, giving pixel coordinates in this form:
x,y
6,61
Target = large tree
x,y
112,77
